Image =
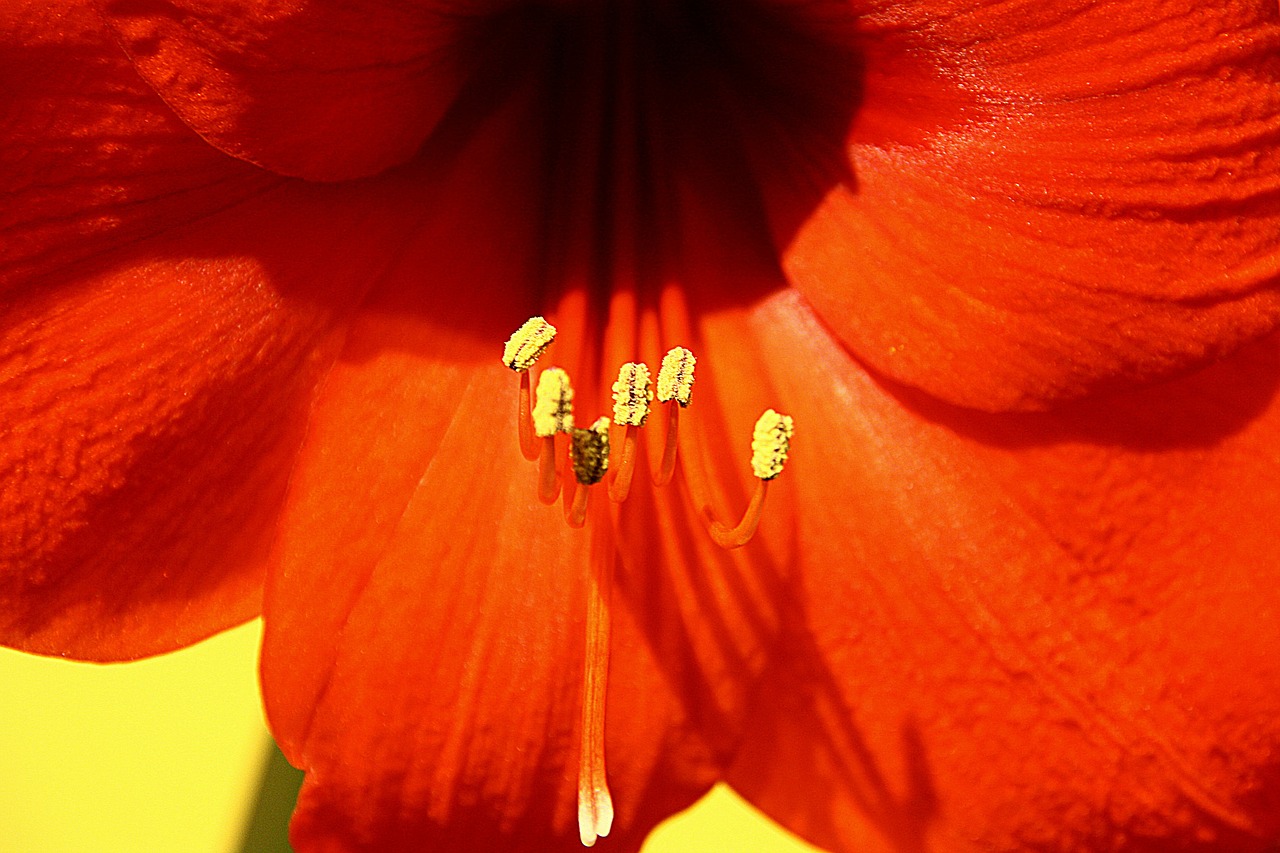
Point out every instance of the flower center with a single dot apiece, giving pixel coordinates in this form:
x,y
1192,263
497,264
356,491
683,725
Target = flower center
x,y
671,125
547,433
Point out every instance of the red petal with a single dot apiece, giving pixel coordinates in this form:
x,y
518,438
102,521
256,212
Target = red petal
x,y
1051,632
326,90
1051,199
91,157
153,401
151,412
443,709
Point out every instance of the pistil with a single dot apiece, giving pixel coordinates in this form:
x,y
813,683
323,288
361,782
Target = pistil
x,y
595,804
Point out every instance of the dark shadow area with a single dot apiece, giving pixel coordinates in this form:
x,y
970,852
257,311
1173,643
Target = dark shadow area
x,y
609,99
801,690
1198,410
739,614
748,609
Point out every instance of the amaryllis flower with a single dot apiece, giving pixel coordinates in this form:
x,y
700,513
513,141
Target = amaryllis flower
x,y
1009,267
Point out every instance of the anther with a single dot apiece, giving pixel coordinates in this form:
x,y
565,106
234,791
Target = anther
x,y
632,395
675,378
527,344
553,412
770,443
589,451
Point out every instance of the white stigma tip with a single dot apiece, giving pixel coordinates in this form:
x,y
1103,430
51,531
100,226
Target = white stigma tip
x,y
770,443
553,412
675,379
527,344
595,815
589,452
632,394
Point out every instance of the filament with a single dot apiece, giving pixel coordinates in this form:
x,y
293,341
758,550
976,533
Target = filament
x,y
735,537
524,419
548,477
620,487
575,504
670,440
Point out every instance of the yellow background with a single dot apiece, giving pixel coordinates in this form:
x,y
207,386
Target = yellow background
x,y
167,756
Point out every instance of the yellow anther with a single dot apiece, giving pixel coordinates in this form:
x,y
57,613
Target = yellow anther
x,y
770,443
632,394
589,452
528,343
675,379
553,412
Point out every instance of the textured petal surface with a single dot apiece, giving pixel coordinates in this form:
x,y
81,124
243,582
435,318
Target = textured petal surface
x,y
90,158
1047,200
153,393
1047,632
151,409
322,89
424,649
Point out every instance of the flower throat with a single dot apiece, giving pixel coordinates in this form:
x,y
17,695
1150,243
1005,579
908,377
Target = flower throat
x,y
572,460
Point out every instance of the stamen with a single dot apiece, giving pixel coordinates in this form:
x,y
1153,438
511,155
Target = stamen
x,y
589,455
527,344
675,378
595,805
632,395
675,384
553,413
770,444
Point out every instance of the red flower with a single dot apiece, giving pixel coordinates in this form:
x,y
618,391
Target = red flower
x,y
1012,268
